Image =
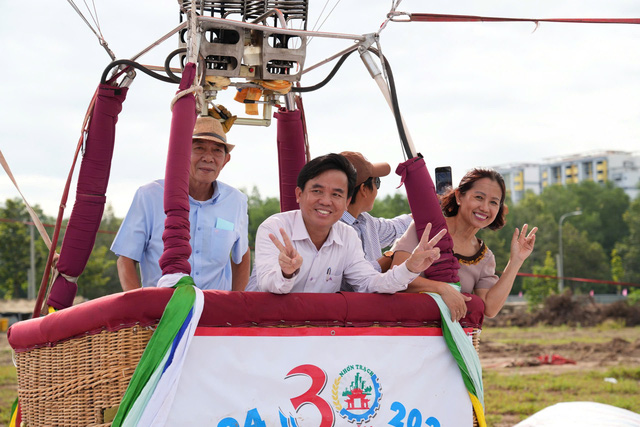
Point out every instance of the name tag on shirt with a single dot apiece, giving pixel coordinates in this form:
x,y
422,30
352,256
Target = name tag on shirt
x,y
223,224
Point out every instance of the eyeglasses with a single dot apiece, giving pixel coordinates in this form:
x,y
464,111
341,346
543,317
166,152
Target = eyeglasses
x,y
375,181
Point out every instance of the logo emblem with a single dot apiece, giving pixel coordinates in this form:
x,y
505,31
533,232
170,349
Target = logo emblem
x,y
356,393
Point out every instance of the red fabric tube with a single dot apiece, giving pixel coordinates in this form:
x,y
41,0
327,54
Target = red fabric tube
x,y
425,207
291,155
62,293
91,191
177,249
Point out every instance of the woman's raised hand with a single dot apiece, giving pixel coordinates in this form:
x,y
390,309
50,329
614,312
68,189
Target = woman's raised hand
x,y
522,243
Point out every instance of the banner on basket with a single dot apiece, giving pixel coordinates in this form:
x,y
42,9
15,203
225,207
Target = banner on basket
x,y
310,377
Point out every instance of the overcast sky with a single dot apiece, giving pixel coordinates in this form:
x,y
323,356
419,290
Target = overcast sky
x,y
472,94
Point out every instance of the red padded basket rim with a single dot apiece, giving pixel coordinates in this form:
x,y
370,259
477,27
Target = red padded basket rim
x,y
145,306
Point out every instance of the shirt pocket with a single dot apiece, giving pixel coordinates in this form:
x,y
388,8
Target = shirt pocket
x,y
332,282
220,246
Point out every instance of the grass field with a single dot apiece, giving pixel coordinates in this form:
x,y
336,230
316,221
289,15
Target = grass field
x,y
8,381
512,398
514,391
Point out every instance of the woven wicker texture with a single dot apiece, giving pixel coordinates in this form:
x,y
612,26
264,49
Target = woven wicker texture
x,y
76,381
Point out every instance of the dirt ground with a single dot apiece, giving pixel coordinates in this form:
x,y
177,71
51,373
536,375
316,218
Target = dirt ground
x,y
615,347
621,347
5,351
586,338
589,334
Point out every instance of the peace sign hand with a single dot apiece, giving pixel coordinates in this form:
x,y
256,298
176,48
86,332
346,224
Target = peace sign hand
x,y
289,259
426,253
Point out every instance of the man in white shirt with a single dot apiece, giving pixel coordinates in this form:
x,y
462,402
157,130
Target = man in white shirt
x,y
322,250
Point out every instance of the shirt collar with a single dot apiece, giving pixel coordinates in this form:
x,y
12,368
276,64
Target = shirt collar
x,y
334,235
348,218
212,200
300,231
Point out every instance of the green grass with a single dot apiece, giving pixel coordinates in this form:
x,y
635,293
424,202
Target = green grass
x,y
558,335
8,391
522,395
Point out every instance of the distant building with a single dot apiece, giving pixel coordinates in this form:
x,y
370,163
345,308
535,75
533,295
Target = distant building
x,y
620,167
519,178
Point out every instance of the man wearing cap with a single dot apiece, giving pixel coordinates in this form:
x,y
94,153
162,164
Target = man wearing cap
x,y
375,233
218,218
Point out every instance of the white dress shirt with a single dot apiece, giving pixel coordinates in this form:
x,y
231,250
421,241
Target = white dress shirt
x,y
322,270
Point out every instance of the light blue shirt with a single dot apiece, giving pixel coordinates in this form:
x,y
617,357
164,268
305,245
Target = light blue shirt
x,y
376,233
219,233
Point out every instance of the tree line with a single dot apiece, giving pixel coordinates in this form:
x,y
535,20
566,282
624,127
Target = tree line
x,y
603,243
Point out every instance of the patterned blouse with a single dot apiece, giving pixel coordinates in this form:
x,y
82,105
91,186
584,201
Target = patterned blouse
x,y
476,272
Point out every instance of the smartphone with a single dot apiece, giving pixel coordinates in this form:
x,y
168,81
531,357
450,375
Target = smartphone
x,y
443,179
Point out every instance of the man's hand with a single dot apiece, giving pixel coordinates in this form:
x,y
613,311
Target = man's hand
x,y
426,253
289,259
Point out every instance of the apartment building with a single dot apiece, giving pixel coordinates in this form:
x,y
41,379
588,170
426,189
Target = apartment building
x,y
620,167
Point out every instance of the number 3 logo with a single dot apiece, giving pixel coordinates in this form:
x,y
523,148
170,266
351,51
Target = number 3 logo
x,y
318,381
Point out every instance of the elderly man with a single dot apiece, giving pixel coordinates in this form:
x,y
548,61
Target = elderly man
x,y
218,217
321,250
375,233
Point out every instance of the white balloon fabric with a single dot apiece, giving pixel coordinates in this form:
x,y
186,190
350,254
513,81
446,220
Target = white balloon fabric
x,y
583,414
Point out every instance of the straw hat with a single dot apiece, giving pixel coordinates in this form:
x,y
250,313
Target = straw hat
x,y
365,168
209,128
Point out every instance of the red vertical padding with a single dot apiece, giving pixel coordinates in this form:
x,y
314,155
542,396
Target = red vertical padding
x,y
90,194
177,249
291,155
425,208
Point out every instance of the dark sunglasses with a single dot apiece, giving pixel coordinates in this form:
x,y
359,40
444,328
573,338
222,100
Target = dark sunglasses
x,y
375,181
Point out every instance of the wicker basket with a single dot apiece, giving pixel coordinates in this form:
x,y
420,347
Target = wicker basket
x,y
79,382
74,366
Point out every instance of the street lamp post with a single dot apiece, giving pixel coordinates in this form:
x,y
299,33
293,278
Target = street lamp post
x,y
560,254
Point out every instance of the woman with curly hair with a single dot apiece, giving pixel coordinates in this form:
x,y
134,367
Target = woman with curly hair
x,y
477,203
